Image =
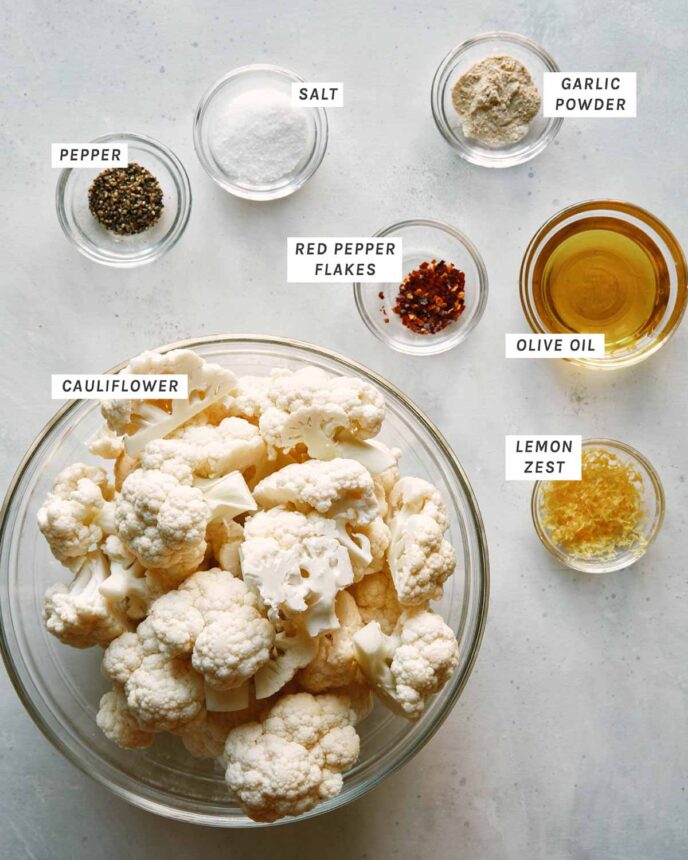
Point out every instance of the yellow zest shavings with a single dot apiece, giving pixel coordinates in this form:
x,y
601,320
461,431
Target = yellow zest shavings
x,y
599,515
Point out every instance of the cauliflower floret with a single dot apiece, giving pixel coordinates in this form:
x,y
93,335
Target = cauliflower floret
x,y
233,445
377,600
175,622
77,512
291,651
331,416
252,394
411,664
419,558
141,421
215,618
336,488
411,496
77,613
297,565
293,758
116,722
129,583
334,664
162,521
233,647
163,693
105,443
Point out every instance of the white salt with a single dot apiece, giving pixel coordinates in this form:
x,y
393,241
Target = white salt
x,y
260,138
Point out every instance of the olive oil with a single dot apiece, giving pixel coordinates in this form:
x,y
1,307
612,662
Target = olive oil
x,y
601,274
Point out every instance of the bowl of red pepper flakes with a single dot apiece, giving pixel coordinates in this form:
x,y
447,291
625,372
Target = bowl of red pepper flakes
x,y
441,298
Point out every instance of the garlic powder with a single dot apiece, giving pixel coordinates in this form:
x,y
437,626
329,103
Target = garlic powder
x,y
496,99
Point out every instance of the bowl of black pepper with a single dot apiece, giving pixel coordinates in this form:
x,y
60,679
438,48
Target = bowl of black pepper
x,y
127,215
441,297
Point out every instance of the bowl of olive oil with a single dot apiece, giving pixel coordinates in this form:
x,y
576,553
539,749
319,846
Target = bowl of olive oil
x,y
605,267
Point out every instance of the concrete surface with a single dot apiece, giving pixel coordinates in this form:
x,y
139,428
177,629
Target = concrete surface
x,y
570,739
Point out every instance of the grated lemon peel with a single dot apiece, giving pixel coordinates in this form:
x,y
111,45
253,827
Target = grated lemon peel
x,y
599,515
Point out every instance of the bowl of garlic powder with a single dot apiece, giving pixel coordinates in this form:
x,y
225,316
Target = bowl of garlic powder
x,y
487,99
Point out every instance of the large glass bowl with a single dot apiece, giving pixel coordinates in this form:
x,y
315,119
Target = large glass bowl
x,y
61,686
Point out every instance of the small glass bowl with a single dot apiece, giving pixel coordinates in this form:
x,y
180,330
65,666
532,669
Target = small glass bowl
x,y
425,240
542,130
653,501
226,89
99,244
656,232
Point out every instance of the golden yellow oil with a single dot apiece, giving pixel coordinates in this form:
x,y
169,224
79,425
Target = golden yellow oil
x,y
601,274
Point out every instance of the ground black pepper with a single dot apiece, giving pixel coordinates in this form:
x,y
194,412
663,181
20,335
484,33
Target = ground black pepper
x,y
125,200
431,297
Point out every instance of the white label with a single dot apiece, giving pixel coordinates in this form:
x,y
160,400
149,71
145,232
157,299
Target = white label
x,y
90,154
340,260
589,94
120,386
325,95
554,345
551,458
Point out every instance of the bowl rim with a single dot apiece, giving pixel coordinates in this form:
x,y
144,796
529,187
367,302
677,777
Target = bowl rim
x,y
603,566
177,228
428,347
482,593
499,159
622,207
315,158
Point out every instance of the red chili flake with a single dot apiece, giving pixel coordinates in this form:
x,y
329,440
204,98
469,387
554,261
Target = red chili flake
x,y
431,297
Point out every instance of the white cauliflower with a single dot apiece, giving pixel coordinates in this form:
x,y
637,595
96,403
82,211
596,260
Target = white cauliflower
x,y
377,600
77,512
77,613
116,722
105,443
163,693
141,421
291,651
334,664
129,583
297,564
335,488
332,416
419,557
232,445
207,450
164,521
215,618
294,757
408,666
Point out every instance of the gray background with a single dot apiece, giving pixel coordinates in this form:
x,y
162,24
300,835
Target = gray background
x,y
570,739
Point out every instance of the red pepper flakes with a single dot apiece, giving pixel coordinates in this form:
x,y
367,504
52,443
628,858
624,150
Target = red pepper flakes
x,y
431,297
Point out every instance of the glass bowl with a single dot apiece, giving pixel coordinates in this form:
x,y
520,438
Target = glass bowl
x,y
425,240
61,686
542,130
653,502
99,244
220,95
668,256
